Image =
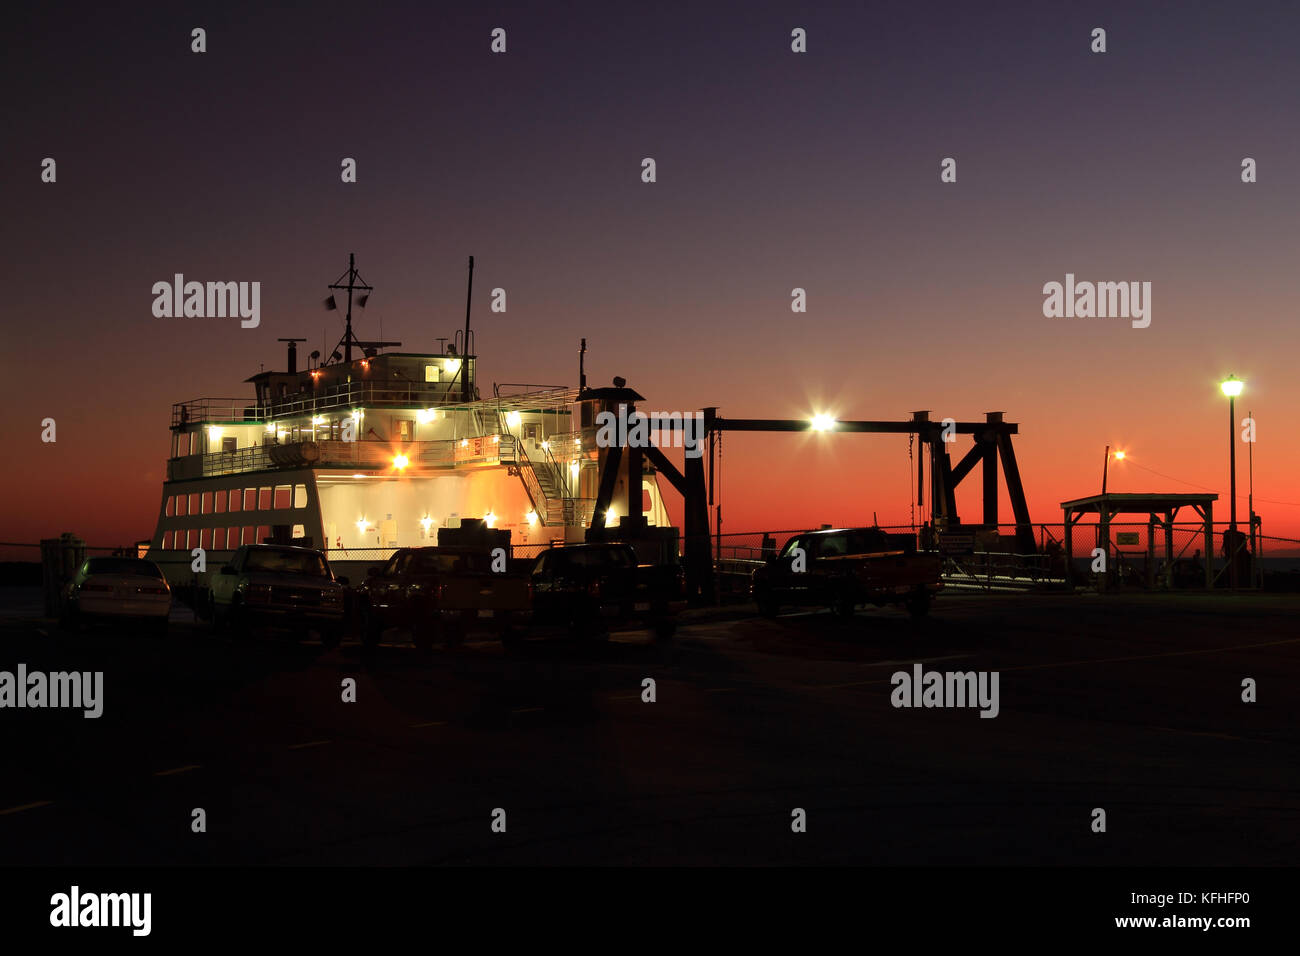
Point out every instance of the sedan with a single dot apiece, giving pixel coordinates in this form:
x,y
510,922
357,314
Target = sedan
x,y
118,589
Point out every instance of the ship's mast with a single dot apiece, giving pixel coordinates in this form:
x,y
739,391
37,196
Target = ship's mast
x,y
464,361
354,283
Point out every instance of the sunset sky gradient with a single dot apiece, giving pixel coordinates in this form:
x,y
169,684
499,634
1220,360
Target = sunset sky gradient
x,y
775,170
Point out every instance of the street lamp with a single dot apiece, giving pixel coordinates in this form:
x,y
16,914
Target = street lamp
x,y
1105,466
1232,386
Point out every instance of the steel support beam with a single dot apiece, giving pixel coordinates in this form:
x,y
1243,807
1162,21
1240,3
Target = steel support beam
x,y
887,428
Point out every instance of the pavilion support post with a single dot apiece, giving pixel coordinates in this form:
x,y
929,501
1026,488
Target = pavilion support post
x,y
1068,530
1103,542
1169,549
1209,546
1151,552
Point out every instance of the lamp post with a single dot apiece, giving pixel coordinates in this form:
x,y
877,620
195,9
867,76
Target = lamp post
x,y
1105,467
1232,387
1250,499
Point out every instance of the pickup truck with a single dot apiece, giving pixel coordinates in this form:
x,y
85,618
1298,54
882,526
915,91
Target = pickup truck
x,y
281,586
440,593
843,568
585,586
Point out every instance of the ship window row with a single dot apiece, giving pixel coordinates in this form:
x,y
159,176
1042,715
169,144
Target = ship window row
x,y
275,497
220,539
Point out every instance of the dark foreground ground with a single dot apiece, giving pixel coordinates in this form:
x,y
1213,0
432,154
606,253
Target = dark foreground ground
x,y
1131,704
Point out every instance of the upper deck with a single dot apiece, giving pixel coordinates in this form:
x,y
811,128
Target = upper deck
x,y
394,380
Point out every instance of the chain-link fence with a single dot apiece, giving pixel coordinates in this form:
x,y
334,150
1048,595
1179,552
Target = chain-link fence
x,y
1138,555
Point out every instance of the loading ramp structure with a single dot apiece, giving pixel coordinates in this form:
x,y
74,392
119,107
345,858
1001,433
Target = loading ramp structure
x,y
992,444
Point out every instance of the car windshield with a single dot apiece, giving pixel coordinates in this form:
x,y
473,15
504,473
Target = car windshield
x,y
288,562
398,563
137,566
449,562
593,558
868,541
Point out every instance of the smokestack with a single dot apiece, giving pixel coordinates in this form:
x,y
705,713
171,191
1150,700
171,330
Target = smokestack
x,y
293,353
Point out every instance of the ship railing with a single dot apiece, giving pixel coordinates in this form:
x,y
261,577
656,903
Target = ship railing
x,y
380,454
511,396
531,485
268,457
566,446
352,395
200,410
557,473
583,510
348,396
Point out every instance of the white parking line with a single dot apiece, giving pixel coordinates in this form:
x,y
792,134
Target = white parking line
x,y
26,806
176,770
919,660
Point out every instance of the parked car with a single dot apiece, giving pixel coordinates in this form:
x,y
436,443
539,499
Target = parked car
x,y
586,586
440,593
281,586
118,589
842,568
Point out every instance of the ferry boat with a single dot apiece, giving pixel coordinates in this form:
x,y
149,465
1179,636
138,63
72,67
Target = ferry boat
x,y
370,449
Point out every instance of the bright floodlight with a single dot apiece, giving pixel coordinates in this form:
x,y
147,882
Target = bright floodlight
x,y
1232,387
822,423
1119,455
400,462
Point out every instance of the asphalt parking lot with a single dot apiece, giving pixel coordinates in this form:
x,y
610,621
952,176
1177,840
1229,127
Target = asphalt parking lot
x,y
1132,704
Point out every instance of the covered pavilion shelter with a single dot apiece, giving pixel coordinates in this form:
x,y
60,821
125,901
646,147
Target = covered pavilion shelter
x,y
1161,510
